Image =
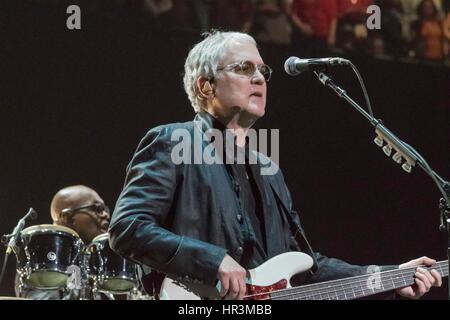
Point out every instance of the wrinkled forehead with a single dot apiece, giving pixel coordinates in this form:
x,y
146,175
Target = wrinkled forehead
x,y
240,49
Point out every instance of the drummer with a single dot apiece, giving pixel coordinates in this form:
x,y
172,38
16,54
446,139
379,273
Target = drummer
x,y
81,209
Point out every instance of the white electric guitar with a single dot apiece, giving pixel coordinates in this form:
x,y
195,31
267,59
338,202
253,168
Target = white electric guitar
x,y
271,281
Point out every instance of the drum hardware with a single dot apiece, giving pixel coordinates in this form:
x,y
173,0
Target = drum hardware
x,y
136,294
53,257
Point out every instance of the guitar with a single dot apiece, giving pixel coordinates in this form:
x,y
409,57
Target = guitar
x,y
270,281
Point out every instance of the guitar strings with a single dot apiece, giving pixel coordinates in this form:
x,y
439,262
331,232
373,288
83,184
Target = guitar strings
x,y
303,292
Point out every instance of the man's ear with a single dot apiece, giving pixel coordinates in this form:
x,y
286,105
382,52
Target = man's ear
x,y
205,87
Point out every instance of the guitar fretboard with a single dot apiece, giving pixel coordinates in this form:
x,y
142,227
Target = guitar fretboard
x,y
356,287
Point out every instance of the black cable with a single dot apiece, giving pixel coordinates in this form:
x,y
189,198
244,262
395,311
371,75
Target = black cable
x,y
361,82
436,178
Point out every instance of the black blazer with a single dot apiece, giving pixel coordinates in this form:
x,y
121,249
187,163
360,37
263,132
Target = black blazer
x,y
182,219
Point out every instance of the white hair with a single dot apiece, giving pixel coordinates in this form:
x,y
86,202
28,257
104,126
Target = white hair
x,y
203,61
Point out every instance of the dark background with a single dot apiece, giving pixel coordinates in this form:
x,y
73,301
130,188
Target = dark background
x,y
74,105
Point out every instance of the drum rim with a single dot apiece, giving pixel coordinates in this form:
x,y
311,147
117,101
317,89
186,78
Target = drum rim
x,y
126,278
100,237
35,269
44,228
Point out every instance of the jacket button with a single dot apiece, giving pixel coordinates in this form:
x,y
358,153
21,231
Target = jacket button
x,y
239,251
239,218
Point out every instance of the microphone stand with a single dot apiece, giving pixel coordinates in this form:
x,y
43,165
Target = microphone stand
x,y
405,155
16,235
11,240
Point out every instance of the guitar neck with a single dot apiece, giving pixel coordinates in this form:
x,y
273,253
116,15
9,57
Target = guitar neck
x,y
356,287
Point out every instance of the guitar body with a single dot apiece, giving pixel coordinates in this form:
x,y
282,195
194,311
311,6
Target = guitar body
x,y
274,274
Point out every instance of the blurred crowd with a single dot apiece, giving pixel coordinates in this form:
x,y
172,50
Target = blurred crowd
x,y
416,29
410,29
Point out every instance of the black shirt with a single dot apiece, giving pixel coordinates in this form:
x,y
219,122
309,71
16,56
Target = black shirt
x,y
252,220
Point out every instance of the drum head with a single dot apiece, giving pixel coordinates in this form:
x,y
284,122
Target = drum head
x,y
117,285
47,280
49,228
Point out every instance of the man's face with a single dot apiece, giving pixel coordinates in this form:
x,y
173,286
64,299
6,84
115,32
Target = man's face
x,y
235,92
90,217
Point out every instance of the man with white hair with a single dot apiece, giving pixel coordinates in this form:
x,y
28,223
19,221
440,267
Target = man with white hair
x,y
204,223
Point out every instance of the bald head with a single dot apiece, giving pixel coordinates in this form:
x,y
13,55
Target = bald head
x,y
86,222
71,197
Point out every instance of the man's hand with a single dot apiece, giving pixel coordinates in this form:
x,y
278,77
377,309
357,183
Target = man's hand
x,y
232,279
424,279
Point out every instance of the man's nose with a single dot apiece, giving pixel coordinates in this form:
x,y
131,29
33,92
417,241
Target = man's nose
x,y
258,77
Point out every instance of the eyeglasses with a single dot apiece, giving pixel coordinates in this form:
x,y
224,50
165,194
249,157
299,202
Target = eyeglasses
x,y
96,207
248,68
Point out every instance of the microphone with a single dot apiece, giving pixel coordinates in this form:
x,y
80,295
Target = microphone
x,y
14,236
294,66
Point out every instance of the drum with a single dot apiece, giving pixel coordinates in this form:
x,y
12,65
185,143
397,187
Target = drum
x,y
46,254
111,272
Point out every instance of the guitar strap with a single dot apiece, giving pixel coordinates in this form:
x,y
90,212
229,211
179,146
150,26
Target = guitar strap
x,y
297,231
